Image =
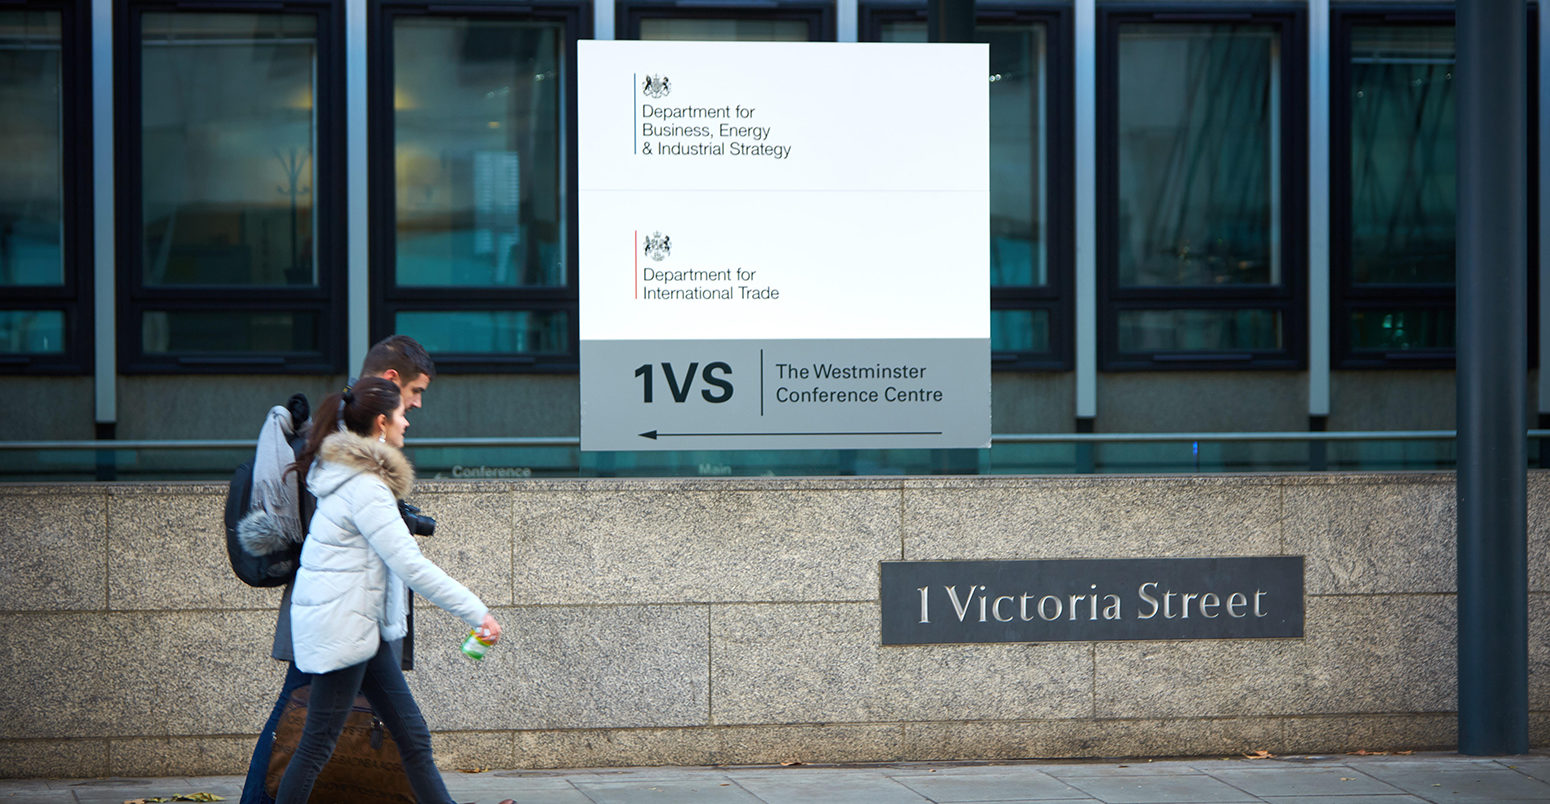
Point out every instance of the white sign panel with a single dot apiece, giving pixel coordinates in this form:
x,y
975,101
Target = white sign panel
x,y
784,245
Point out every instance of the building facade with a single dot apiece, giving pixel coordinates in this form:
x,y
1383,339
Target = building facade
x,y
1205,216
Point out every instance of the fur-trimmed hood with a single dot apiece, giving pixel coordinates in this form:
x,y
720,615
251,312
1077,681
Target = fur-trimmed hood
x,y
345,455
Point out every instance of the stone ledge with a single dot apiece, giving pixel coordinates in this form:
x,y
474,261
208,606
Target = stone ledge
x,y
221,755
712,745
56,759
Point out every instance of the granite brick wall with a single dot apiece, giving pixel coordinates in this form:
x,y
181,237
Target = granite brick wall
x,y
696,621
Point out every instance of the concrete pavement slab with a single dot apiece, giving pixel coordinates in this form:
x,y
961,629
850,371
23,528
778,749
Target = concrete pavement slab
x,y
709,790
1537,767
1320,781
1470,786
862,789
1139,767
1162,789
1437,778
987,784
1385,799
571,796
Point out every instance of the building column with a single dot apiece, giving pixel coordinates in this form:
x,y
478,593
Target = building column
x,y
1086,213
104,240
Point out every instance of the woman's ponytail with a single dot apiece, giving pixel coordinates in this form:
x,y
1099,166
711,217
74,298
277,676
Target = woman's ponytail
x,y
356,409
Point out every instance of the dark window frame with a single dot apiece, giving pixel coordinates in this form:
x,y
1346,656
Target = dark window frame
x,y
387,299
1346,297
326,300
1055,297
819,16
75,295
1290,297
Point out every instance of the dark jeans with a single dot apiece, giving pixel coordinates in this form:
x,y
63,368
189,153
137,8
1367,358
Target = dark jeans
x,y
333,694
253,788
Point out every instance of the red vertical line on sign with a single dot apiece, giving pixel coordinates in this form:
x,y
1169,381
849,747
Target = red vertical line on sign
x,y
637,263
635,129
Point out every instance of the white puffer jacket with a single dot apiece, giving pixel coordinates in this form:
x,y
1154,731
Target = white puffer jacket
x,y
349,592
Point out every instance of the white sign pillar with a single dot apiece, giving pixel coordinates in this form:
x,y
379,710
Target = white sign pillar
x,y
784,245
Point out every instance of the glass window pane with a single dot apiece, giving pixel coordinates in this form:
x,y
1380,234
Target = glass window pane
x,y
1018,204
227,331
1403,168
1018,149
899,31
488,332
1199,150
227,143
32,332
31,167
1199,330
1397,329
1019,331
723,30
478,153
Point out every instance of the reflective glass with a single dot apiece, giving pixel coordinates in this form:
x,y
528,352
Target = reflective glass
x,y
31,167
488,332
478,153
1019,331
227,143
1019,252
1398,329
1199,149
1054,458
723,30
32,332
228,331
1199,330
1403,161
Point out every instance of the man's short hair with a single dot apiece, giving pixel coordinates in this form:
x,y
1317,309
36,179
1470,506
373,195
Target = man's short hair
x,y
400,353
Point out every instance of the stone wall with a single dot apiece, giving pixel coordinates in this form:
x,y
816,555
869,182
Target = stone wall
x,y
736,621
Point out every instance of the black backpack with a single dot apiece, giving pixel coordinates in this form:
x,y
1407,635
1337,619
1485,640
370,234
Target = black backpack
x,y
269,569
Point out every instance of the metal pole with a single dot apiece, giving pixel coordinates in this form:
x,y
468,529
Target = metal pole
x,y
950,21
1492,342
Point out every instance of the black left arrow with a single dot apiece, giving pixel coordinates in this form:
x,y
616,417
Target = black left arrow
x,y
653,434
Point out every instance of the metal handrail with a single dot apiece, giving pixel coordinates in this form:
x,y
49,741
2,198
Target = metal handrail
x,y
1001,438
247,443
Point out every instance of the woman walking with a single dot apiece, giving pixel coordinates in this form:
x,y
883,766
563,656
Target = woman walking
x,y
349,598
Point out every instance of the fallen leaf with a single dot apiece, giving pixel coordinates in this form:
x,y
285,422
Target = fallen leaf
x,y
472,770
1261,754
179,797
791,762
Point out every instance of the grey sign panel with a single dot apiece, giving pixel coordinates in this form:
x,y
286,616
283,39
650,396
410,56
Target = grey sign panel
x,y
785,394
925,602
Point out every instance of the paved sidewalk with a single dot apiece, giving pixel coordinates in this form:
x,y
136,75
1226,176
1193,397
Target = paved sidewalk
x,y
1410,779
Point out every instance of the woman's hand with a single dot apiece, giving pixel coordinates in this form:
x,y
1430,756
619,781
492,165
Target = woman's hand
x,y
490,629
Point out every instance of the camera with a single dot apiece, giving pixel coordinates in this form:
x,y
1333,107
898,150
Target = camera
x,y
418,523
